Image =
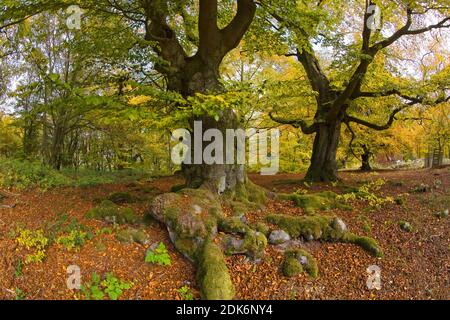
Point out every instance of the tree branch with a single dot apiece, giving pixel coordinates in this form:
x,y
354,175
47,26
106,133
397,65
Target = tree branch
x,y
403,31
413,101
157,29
232,34
207,26
306,129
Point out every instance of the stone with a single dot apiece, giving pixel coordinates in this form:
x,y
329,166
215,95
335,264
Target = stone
x,y
405,226
278,237
339,225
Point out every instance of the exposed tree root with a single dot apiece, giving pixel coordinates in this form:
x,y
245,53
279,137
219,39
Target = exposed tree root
x,y
193,218
323,228
212,274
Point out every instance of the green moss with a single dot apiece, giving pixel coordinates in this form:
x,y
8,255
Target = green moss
x,y
191,216
177,188
405,225
367,243
297,261
292,267
240,207
120,197
109,211
400,201
233,225
246,197
322,228
187,246
310,227
312,203
262,227
254,244
131,235
212,274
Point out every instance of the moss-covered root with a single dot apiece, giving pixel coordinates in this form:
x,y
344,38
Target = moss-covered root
x,y
313,203
212,274
296,261
368,244
233,225
310,227
323,228
246,197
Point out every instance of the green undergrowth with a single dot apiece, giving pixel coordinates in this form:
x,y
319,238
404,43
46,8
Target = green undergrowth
x,y
313,203
98,288
159,255
366,192
24,174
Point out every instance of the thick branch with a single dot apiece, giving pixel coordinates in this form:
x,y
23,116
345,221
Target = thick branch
x,y
368,54
413,101
157,29
233,33
386,94
207,26
366,30
306,129
316,76
373,126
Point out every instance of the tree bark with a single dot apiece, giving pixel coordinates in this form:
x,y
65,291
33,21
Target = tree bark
x,y
365,159
323,167
218,177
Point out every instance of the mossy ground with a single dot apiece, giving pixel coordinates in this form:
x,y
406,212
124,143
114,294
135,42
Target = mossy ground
x,y
131,235
233,225
367,243
309,227
246,197
313,203
109,211
121,197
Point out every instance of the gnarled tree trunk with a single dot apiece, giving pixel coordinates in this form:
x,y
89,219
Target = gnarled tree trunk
x,y
323,167
200,76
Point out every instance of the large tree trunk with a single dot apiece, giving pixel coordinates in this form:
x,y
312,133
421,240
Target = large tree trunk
x,y
218,177
323,167
202,77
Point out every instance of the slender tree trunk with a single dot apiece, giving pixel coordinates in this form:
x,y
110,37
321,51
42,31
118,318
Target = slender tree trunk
x,y
323,167
56,154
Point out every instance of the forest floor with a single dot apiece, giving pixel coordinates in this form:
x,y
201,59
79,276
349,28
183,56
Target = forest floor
x,y
415,265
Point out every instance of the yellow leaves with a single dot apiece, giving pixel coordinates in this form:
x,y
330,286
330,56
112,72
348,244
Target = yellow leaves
x,y
138,100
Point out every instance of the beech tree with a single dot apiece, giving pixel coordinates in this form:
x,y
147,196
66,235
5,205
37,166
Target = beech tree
x,y
335,101
199,73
